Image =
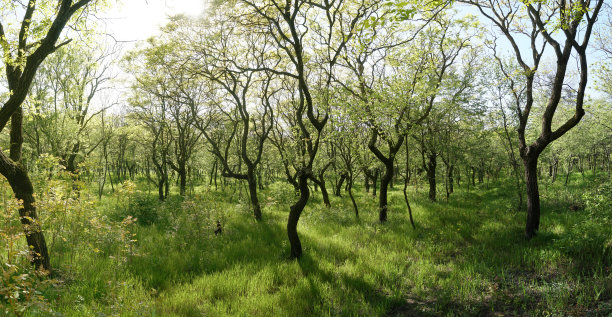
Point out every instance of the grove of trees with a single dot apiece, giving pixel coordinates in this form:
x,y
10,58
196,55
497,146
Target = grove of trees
x,y
321,96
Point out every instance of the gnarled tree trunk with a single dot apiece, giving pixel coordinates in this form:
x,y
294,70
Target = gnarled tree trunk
x,y
295,212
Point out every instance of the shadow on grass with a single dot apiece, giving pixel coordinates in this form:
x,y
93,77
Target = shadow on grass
x,y
467,257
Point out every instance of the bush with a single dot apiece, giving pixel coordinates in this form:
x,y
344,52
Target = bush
x,y
140,206
144,208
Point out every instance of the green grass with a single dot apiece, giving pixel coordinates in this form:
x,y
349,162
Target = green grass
x,y
466,257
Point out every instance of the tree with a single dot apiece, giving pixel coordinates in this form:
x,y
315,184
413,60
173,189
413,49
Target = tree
x,y
454,87
309,38
60,109
396,89
23,51
170,89
238,95
564,26
151,110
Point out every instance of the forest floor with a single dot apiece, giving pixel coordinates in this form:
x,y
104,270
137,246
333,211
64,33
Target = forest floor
x,y
466,256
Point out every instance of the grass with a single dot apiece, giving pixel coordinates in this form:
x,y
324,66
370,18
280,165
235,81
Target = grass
x,y
466,257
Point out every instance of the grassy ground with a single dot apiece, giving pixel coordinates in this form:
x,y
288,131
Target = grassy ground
x,y
466,256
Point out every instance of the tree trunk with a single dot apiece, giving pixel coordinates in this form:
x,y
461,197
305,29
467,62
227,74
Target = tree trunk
x,y
431,176
166,182
252,181
384,185
160,189
533,195
183,180
451,189
22,187
294,215
260,184
71,161
473,176
324,192
339,185
408,203
350,192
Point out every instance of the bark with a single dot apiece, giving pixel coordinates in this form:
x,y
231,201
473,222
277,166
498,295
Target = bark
x,y
252,181
384,185
23,189
294,215
324,193
160,189
431,176
406,181
451,189
338,191
183,180
533,195
473,176
350,192
408,203
260,184
71,161
161,178
375,182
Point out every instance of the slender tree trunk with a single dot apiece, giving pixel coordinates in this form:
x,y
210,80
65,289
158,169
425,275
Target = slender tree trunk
x,y
70,162
339,185
473,176
431,176
384,186
294,215
252,181
350,192
533,195
166,182
406,181
260,184
324,192
160,189
451,168
182,173
408,203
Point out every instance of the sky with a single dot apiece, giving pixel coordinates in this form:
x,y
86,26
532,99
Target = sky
x,y
132,21
137,20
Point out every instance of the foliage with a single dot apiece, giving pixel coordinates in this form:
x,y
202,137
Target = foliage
x,y
145,214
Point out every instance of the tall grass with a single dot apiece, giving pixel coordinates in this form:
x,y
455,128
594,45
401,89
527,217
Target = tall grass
x,y
466,256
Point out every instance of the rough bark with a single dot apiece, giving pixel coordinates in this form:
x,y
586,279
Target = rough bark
x,y
252,181
533,196
23,190
384,186
295,212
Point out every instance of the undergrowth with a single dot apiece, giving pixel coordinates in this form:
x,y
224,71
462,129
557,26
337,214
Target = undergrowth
x,y
130,255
